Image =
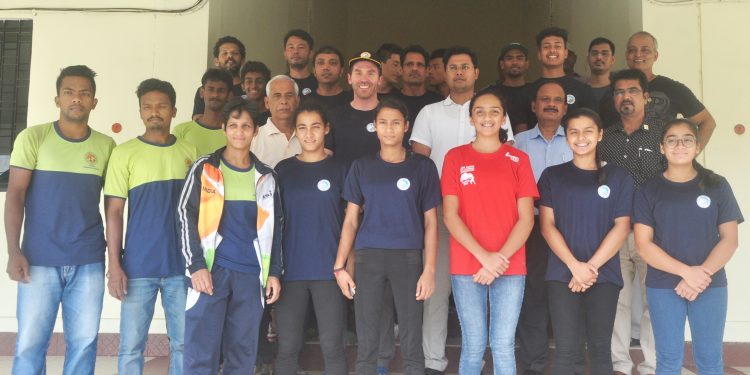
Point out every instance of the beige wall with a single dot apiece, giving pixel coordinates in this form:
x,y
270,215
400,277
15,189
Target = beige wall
x,y
124,49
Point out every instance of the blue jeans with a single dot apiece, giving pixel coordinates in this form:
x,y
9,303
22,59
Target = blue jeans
x,y
505,296
136,312
80,289
706,315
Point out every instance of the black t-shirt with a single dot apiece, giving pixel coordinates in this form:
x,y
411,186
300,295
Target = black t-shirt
x,y
415,104
578,94
352,134
199,106
394,92
599,93
306,85
330,103
519,104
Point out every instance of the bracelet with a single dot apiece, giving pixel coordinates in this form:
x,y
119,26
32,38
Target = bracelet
x,y
337,270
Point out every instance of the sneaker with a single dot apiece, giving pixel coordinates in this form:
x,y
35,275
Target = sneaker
x,y
382,371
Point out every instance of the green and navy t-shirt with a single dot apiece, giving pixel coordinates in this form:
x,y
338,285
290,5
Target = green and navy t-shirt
x,y
150,176
206,139
63,226
238,226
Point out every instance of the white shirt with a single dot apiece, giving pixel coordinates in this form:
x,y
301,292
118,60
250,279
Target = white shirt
x,y
444,125
271,146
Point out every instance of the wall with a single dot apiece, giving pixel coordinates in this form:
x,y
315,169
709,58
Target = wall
x,y
124,49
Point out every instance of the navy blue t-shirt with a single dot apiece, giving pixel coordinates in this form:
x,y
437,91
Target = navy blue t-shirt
x,y
395,197
313,214
685,220
585,211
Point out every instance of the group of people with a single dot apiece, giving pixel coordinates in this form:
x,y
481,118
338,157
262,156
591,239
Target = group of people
x,y
528,202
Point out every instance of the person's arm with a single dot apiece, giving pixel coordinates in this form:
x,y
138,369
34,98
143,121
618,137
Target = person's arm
x,y
706,125
583,273
426,282
612,242
724,250
420,149
15,201
521,230
348,234
117,280
273,283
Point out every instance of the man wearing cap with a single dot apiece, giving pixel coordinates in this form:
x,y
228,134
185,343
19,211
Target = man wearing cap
x,y
512,64
601,57
298,45
414,91
389,55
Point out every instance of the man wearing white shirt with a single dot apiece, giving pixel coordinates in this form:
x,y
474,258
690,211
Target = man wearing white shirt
x,y
276,140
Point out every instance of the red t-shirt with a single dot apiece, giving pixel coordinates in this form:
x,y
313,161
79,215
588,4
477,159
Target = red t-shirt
x,y
488,187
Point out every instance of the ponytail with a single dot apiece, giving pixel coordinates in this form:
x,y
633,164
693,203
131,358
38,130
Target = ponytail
x,y
601,174
706,177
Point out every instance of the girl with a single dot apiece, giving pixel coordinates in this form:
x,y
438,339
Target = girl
x,y
398,191
311,184
230,216
488,194
686,231
584,213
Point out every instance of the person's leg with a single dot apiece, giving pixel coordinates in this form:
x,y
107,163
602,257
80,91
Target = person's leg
x,y
264,356
368,304
435,320
244,311
82,300
291,309
648,366
387,341
204,325
329,310
173,299
532,325
707,316
36,311
471,305
506,297
136,312
668,315
600,303
405,270
565,309
621,361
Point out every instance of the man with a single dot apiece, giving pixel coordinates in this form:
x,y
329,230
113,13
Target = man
x,y
438,128
436,73
633,143
328,68
513,63
148,172
56,178
414,91
389,55
276,140
668,97
229,54
205,130
298,45
601,57
552,44
255,75
546,146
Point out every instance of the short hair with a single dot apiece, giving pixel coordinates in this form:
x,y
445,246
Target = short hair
x,y
602,40
386,50
255,67
536,91
460,50
153,84
393,103
299,33
77,71
496,93
329,50
311,106
279,78
552,31
229,39
218,75
630,74
236,106
415,48
648,34
437,54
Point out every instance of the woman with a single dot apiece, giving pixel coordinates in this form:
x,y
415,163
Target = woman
x,y
584,213
488,193
311,184
230,232
398,192
686,231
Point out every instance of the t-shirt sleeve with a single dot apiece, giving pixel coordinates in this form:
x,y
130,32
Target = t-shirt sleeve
x,y
685,102
430,186
421,132
643,212
525,180
626,186
178,131
352,187
545,189
729,209
449,179
25,150
118,175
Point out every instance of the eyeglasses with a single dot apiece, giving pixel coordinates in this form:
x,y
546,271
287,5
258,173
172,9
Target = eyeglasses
x,y
632,91
686,142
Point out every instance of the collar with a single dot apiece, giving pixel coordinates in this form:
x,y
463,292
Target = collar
x,y
449,102
535,133
273,129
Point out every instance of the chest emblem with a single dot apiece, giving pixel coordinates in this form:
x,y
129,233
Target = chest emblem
x,y
324,185
571,99
90,158
371,128
603,191
703,201
403,184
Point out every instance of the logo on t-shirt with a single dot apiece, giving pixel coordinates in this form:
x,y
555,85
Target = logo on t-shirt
x,y
467,178
403,184
324,185
571,99
188,162
371,128
306,91
90,158
603,191
703,201
514,158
